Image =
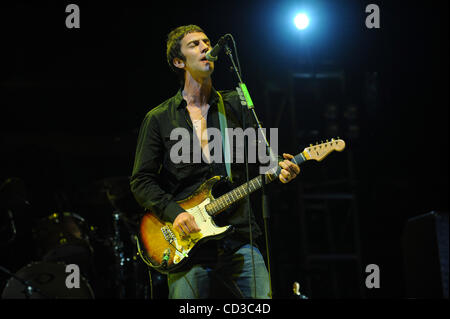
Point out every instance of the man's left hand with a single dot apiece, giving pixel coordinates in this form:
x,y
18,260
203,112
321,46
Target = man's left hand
x,y
289,170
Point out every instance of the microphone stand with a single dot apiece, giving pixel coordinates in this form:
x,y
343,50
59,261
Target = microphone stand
x,y
247,101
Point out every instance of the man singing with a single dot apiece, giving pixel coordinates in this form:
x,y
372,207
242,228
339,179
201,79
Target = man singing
x,y
158,183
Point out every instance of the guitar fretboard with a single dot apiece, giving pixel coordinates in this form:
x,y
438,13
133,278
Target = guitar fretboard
x,y
317,152
226,200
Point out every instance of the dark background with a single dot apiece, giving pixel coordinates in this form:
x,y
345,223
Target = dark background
x,y
72,101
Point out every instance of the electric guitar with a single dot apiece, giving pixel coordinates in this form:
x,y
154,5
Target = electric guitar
x,y
167,251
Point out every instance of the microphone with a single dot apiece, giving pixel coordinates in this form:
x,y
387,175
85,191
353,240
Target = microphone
x,y
212,54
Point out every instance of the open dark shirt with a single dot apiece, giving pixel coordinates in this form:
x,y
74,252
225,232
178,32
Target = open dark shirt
x,y
157,183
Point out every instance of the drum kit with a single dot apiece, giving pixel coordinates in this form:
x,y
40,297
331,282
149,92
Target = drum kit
x,y
106,255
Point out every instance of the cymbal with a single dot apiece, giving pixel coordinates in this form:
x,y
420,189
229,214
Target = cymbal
x,y
113,191
13,191
115,184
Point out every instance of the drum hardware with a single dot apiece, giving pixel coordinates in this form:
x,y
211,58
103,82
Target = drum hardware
x,y
122,241
124,228
13,193
59,239
46,280
29,287
13,200
63,237
12,226
118,251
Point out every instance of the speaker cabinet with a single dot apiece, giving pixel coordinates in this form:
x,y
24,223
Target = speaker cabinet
x,y
425,248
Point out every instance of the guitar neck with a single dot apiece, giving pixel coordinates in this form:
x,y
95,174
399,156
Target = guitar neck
x,y
228,199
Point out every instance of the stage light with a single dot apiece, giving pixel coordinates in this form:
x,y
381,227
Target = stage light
x,y
301,21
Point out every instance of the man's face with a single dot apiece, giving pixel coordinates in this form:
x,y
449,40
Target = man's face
x,y
194,47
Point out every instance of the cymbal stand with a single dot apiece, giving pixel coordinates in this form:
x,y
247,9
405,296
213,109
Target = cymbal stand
x,y
12,226
119,255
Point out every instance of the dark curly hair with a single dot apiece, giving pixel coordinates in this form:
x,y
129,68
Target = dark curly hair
x,y
174,46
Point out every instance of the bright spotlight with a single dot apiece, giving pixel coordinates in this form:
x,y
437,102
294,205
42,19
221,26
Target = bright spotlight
x,y
301,21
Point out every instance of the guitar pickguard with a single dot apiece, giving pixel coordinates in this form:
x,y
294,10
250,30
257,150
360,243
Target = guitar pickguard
x,y
208,230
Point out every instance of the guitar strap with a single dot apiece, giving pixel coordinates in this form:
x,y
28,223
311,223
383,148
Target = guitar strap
x,y
225,137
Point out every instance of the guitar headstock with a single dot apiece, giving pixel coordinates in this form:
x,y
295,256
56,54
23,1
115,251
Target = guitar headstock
x,y
321,150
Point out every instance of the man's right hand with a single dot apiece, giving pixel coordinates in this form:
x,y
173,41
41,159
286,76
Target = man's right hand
x,y
185,224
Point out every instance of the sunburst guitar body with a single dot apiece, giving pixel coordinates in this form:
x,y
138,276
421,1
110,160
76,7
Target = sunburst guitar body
x,y
165,248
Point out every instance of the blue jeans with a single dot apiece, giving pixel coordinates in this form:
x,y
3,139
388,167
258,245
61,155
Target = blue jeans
x,y
223,275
